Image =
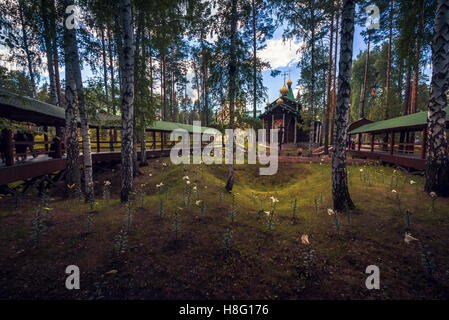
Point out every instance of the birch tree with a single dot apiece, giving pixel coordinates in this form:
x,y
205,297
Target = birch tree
x,y
127,101
437,166
72,175
340,192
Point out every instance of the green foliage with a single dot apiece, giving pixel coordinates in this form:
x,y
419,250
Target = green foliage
x,y
309,261
233,212
408,219
161,208
227,240
427,260
293,206
38,226
176,224
121,242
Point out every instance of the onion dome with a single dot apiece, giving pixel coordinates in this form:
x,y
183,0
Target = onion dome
x,y
268,104
284,90
289,82
280,100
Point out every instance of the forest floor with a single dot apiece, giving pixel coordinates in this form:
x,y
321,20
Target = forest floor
x,y
263,257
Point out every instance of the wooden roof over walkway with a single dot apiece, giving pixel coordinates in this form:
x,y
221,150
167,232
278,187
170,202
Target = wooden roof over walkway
x,y
25,109
415,121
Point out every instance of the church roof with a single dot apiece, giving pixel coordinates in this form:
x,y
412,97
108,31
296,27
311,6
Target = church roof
x,y
286,101
290,93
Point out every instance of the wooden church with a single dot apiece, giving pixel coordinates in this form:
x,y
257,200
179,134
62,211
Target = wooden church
x,y
284,114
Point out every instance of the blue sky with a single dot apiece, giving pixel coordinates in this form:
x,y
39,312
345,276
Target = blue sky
x,y
275,45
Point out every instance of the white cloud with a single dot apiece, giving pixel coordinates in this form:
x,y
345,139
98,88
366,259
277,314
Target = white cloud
x,y
280,54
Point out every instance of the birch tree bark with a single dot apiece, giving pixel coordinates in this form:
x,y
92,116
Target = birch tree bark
x,y
365,79
312,91
87,154
340,192
334,89
127,101
49,52
232,71
328,98
437,166
72,174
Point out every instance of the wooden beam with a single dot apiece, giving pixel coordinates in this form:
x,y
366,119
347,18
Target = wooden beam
x,y
9,147
46,138
58,146
154,139
162,139
392,143
424,144
372,142
98,139
296,121
359,142
111,140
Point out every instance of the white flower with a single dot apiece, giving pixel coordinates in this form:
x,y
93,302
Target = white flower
x,y
107,183
188,181
305,239
433,194
150,174
185,178
330,211
164,164
394,191
273,199
194,188
412,182
159,185
267,213
361,170
408,238
198,202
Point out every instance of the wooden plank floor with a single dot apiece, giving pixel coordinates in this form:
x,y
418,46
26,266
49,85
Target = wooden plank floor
x,y
42,165
407,160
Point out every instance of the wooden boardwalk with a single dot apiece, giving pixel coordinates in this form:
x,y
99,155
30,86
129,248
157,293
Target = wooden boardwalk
x,y
406,160
44,165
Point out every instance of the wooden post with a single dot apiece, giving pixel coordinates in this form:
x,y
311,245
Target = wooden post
x,y
283,125
9,147
46,138
372,142
392,143
58,149
162,140
296,121
360,142
98,139
154,140
111,140
424,144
